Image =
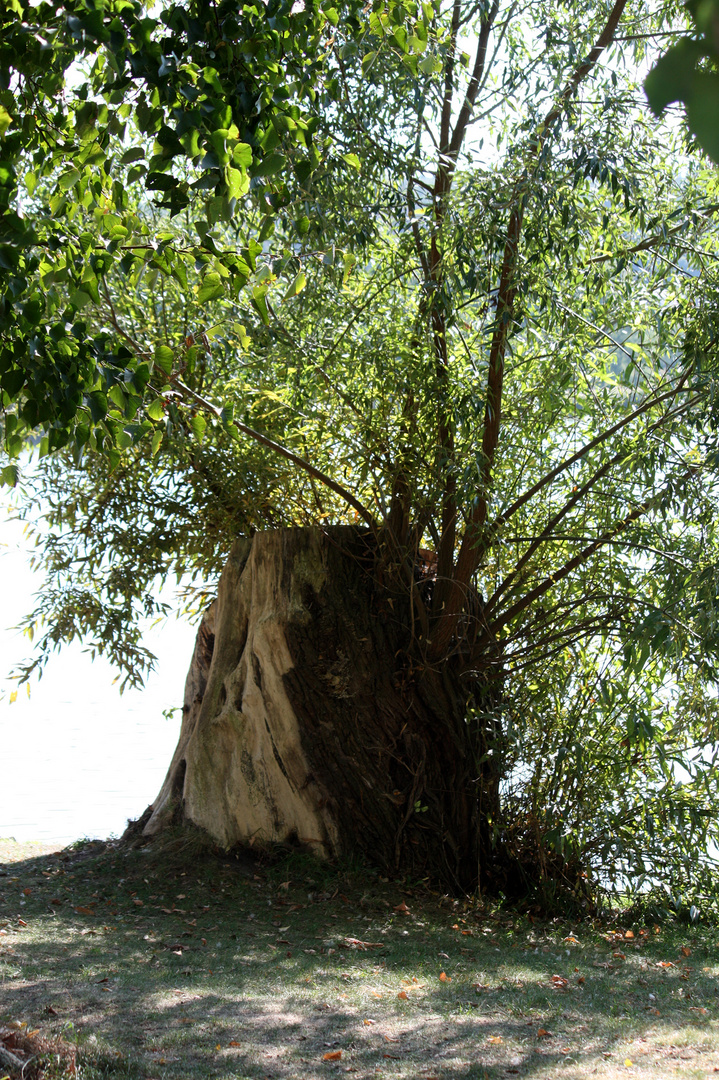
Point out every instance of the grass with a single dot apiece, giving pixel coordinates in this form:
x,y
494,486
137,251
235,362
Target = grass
x,y
180,964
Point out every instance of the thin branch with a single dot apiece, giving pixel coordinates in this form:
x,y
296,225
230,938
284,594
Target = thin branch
x,y
467,560
446,117
277,448
477,72
586,449
567,507
578,560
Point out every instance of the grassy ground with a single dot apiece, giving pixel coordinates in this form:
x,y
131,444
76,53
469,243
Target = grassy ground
x,y
187,966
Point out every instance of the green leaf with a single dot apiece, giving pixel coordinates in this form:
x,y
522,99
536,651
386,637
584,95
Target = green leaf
x,y
242,155
156,410
9,475
672,77
430,65
135,153
352,160
98,405
157,441
297,286
211,288
79,298
68,179
269,165
260,304
5,120
348,261
198,425
164,358
703,111
238,183
367,62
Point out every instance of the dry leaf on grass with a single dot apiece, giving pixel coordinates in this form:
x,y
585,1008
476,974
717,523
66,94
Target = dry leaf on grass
x,y
332,1055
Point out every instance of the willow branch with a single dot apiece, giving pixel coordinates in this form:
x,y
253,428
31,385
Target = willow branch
x,y
282,451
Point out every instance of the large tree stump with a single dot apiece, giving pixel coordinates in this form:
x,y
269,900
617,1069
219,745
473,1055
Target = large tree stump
x,y
308,718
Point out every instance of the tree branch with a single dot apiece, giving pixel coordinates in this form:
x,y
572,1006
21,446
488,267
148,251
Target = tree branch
x,y
566,508
572,564
467,560
282,451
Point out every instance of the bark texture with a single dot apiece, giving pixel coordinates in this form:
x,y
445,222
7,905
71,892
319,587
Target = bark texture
x,y
307,718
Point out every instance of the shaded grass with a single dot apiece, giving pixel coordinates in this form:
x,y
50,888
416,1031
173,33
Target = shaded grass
x,y
177,963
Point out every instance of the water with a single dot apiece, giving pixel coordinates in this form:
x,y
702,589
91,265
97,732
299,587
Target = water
x,y
76,758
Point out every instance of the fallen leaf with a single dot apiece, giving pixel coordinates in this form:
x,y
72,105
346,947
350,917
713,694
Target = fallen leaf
x,y
665,963
559,982
619,955
494,1039
369,1022
698,1009
629,934
84,911
444,978
21,922
402,995
403,908
50,1011
234,1043
628,1062
686,951
332,1055
543,1032
27,892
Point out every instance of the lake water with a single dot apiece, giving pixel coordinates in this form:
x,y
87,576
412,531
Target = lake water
x,y
76,758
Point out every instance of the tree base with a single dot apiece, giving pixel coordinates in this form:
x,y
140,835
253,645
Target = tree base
x,y
306,719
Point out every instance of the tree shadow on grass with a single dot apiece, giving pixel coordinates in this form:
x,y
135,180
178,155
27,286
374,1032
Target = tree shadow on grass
x,y
218,970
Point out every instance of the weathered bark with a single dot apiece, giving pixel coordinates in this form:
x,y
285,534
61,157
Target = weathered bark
x,y
309,718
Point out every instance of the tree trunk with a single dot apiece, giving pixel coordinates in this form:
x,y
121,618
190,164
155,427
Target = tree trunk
x,y
308,718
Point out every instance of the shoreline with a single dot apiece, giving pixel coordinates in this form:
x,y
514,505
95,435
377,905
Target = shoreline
x,y
17,850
